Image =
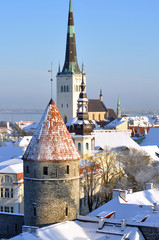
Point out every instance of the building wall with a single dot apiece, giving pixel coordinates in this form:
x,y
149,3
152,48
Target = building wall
x,y
84,144
51,198
67,100
11,194
10,224
97,115
122,126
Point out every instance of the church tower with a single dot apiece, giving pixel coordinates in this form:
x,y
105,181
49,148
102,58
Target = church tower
x,y
69,79
51,173
118,108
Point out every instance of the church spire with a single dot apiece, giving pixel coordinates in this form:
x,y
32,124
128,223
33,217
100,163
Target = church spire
x,y
118,108
71,64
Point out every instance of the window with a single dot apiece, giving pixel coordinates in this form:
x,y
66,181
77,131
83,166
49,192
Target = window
x,y
67,169
27,169
6,209
11,209
76,88
66,211
64,88
34,211
99,117
87,146
62,105
67,105
93,117
67,88
1,192
1,208
45,170
6,178
61,88
11,192
65,119
7,192
79,146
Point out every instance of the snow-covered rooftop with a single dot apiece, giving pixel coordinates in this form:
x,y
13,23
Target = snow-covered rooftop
x,y
24,141
116,122
152,137
114,140
14,165
8,151
51,140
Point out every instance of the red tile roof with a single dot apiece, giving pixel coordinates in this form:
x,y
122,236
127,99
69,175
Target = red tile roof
x,y
51,141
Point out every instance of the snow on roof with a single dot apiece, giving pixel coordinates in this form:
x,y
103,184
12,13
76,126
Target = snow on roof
x,y
71,121
14,165
138,206
24,141
82,230
116,122
114,140
31,127
9,151
152,151
152,137
51,141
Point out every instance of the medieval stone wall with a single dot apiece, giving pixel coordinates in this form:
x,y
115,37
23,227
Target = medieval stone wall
x,y
53,197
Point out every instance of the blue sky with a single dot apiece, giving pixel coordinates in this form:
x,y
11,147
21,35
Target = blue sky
x,y
118,41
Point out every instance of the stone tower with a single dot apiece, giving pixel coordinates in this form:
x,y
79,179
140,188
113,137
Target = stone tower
x,y
118,108
51,173
69,79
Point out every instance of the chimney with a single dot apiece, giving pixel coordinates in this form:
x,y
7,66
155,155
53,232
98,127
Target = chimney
x,y
123,194
149,186
101,223
130,191
155,207
116,192
123,224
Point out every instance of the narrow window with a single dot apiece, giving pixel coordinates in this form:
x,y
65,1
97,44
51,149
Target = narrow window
x,y
34,211
62,105
67,105
1,208
45,170
64,88
93,117
76,88
6,209
61,88
11,209
65,119
67,88
1,192
16,227
6,178
87,146
79,146
27,169
7,192
67,169
99,116
11,192
66,211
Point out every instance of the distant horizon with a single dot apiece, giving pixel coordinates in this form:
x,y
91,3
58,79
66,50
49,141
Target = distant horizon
x,y
117,40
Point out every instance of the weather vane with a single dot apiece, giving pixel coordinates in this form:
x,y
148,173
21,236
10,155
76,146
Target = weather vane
x,y
50,70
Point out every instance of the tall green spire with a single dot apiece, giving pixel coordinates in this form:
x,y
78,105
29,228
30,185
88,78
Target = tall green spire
x,y
71,64
118,108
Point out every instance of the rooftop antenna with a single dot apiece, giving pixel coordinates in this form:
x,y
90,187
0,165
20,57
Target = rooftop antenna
x,y
50,70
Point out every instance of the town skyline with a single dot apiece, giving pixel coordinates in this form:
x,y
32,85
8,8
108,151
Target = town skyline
x,y
117,41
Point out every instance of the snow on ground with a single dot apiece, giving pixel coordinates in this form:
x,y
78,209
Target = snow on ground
x,y
152,151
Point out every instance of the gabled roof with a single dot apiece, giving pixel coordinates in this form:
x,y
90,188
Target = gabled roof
x,y
152,137
112,114
51,141
95,105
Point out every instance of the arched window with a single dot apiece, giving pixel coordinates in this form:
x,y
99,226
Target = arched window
x,y
61,88
8,178
87,146
93,117
79,147
64,88
99,117
76,88
67,88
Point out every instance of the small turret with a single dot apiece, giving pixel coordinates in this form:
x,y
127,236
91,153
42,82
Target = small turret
x,y
101,95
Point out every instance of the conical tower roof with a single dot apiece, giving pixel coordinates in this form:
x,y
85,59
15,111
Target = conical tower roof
x,y
51,141
71,64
